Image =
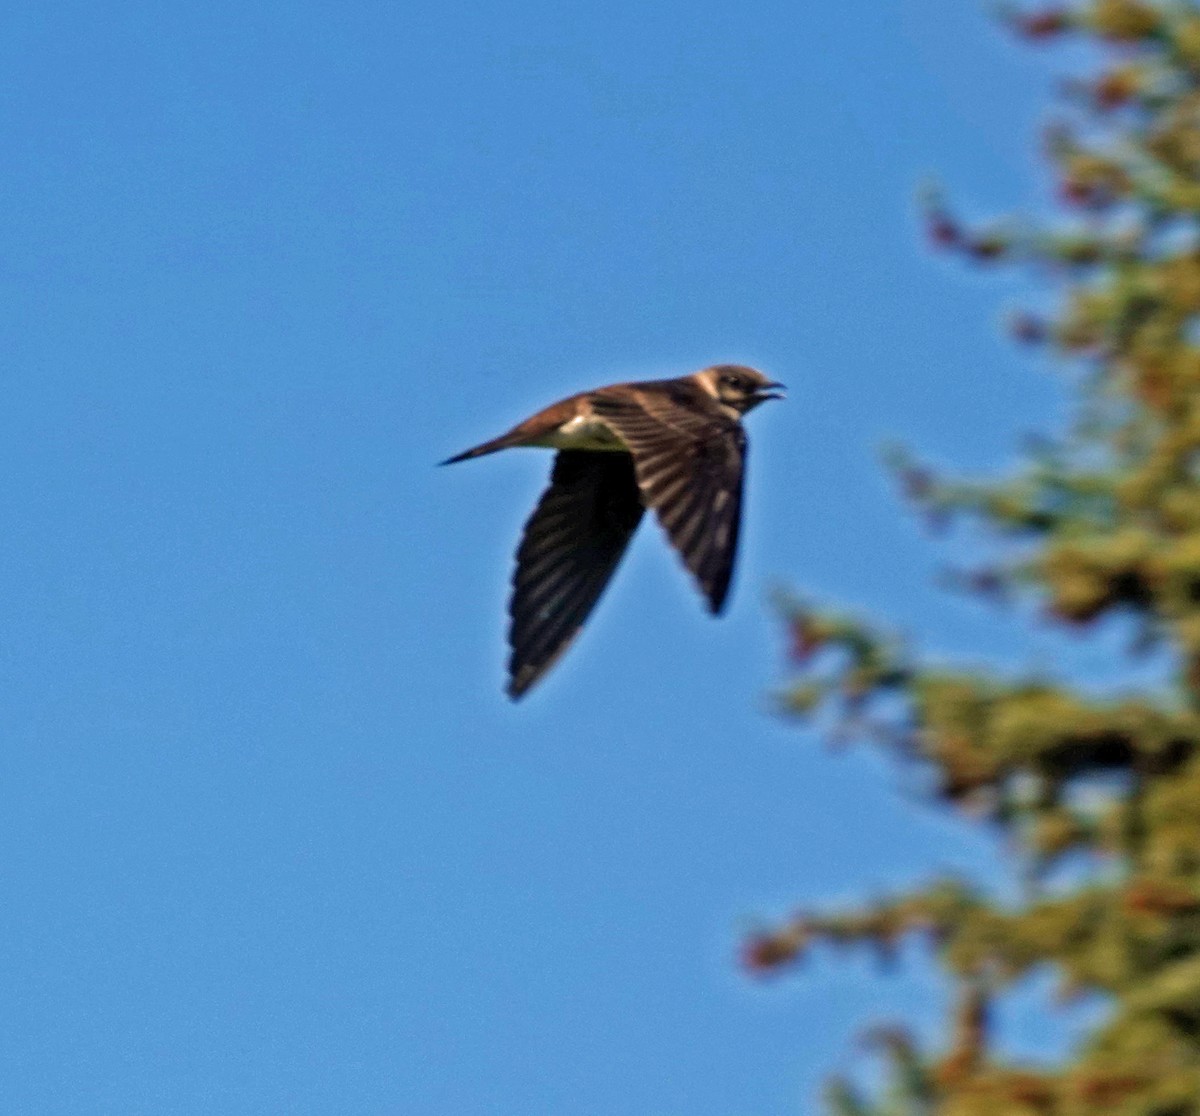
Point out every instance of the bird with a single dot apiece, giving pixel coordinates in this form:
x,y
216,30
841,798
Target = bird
x,y
675,446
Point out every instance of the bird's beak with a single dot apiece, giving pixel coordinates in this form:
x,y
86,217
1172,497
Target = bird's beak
x,y
764,392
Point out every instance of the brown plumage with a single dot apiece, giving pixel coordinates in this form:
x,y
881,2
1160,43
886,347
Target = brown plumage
x,y
676,446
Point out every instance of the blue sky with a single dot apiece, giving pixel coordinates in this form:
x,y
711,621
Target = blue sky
x,y
272,839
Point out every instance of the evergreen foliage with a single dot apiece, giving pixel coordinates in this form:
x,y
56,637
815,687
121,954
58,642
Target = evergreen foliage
x,y
1099,526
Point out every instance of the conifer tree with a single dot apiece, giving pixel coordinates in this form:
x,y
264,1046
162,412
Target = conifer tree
x,y
1099,526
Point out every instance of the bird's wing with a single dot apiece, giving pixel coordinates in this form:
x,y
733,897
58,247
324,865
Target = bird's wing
x,y
571,545
689,458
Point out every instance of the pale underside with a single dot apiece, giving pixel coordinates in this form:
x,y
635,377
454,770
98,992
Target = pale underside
x,y
582,433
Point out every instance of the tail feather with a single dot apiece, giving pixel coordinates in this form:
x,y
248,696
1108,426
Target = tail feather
x,y
503,442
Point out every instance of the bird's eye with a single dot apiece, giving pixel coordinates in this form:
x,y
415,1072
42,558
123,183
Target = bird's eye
x,y
732,381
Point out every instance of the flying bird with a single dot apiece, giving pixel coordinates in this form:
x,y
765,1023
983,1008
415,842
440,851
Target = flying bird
x,y
677,446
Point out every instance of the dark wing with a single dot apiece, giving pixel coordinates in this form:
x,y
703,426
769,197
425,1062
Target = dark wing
x,y
690,460
572,543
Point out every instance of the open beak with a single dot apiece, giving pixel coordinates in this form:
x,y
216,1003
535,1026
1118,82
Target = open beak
x,y
764,392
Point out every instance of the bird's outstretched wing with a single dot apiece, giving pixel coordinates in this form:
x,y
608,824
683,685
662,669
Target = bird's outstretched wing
x,y
689,458
570,548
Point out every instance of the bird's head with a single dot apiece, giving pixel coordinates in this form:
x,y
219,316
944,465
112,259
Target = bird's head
x,y
737,386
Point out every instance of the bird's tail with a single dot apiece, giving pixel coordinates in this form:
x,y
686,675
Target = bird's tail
x,y
503,442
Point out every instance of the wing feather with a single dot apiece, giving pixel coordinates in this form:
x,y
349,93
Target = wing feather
x,y
689,458
571,546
